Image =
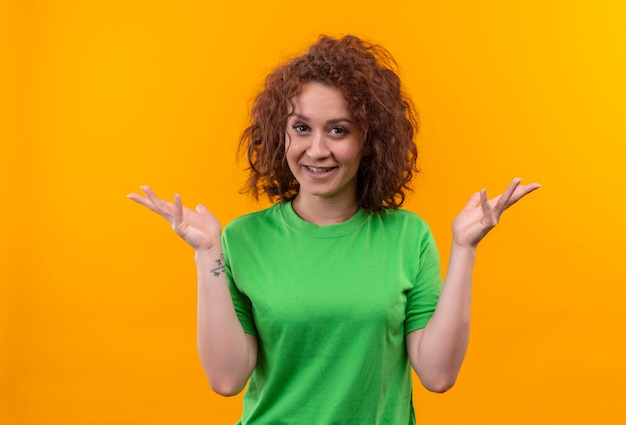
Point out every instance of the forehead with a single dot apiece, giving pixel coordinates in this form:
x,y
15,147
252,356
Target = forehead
x,y
318,99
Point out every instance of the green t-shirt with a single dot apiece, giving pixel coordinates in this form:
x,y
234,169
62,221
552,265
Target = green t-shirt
x,y
330,306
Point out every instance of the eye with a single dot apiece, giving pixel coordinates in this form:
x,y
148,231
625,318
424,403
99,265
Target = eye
x,y
300,128
339,130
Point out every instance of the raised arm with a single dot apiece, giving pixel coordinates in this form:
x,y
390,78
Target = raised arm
x,y
228,355
437,351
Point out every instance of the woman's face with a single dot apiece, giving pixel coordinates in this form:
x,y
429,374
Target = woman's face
x,y
323,143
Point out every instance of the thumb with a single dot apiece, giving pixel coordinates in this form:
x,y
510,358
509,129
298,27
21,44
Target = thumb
x,y
473,201
201,208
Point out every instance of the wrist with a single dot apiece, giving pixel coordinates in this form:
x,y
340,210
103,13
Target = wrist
x,y
209,253
210,263
466,248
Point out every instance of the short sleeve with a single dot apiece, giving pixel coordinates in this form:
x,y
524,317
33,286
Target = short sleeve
x,y
243,305
423,296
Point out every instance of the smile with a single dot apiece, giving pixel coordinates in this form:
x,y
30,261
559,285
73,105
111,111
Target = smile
x,y
316,170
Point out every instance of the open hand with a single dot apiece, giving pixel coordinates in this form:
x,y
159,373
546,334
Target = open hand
x,y
198,228
481,215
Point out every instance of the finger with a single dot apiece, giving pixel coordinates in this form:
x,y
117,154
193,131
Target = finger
x,y
487,210
158,205
522,191
142,200
137,198
503,201
178,212
150,194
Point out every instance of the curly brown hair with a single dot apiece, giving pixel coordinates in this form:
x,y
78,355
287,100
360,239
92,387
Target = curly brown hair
x,y
367,76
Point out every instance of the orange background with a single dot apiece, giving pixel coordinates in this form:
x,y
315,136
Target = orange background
x,y
97,296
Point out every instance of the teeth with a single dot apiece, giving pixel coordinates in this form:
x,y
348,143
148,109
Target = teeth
x,y
319,170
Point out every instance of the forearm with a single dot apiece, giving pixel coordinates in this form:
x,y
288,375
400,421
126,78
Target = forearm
x,y
223,346
444,341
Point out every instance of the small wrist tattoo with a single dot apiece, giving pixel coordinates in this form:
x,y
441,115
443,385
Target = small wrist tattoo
x,y
221,268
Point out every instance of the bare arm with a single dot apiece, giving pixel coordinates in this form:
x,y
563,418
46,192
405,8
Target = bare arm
x,y
228,355
437,351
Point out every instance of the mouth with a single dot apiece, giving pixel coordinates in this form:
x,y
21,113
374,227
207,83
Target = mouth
x,y
319,170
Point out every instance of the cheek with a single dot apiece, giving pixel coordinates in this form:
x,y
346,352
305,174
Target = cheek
x,y
291,143
291,154
287,141
294,147
353,154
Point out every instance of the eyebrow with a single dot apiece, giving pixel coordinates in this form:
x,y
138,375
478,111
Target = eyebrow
x,y
333,121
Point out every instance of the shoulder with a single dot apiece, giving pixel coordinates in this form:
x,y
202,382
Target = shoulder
x,y
399,214
402,218
403,227
255,220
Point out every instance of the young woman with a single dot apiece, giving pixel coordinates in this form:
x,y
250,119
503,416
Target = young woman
x,y
323,302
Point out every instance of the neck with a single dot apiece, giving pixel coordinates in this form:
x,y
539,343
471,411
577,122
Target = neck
x,y
322,211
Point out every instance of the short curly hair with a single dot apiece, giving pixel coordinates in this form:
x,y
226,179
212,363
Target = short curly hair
x,y
367,76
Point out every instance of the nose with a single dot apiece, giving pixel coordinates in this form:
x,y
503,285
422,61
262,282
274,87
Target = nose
x,y
318,148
